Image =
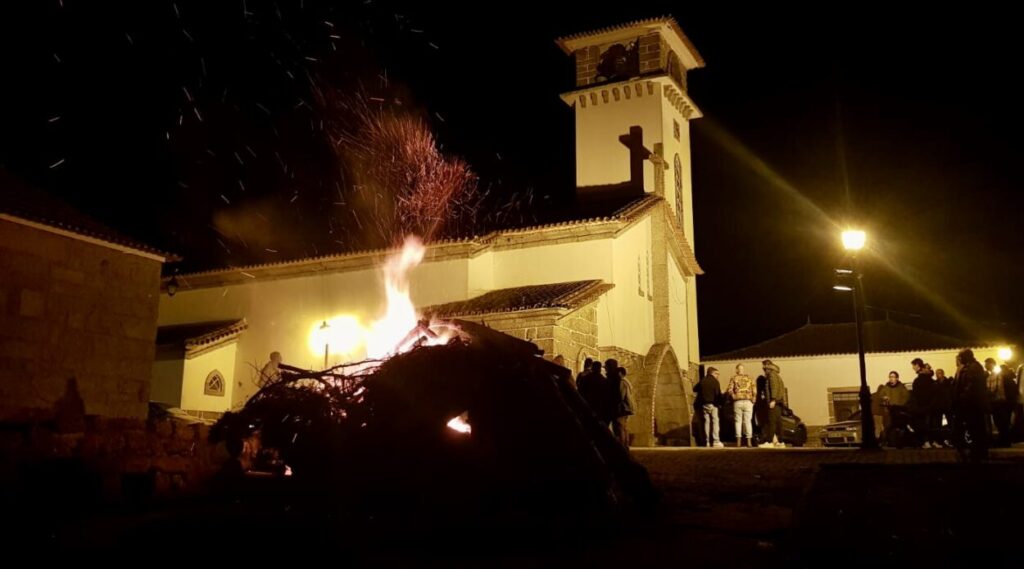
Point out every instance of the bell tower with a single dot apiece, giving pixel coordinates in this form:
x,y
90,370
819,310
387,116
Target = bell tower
x,y
633,112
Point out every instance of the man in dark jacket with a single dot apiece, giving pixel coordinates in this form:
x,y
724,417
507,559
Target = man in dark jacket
x,y
776,392
616,410
922,399
970,407
586,371
1003,413
761,410
1000,408
942,405
593,388
889,396
709,397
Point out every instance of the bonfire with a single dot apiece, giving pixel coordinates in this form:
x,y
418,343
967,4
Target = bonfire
x,y
452,417
441,416
478,425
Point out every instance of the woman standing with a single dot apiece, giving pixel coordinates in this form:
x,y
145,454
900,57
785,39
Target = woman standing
x,y
743,393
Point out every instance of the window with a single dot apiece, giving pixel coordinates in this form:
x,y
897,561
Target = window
x,y
843,402
675,128
675,70
619,61
214,384
639,277
678,175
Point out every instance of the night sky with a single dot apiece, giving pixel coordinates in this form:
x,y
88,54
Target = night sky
x,y
202,127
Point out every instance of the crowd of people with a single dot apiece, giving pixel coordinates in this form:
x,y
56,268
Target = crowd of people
x,y
756,406
608,393
978,407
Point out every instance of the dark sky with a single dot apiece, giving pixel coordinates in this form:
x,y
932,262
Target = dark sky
x,y
195,125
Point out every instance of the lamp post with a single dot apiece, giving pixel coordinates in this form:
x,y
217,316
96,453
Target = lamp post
x,y
323,334
850,280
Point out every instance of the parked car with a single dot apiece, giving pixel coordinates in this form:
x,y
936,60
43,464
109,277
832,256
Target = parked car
x,y
843,433
900,434
794,431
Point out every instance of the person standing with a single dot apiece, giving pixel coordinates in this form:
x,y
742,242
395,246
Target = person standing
x,y
743,392
776,399
709,396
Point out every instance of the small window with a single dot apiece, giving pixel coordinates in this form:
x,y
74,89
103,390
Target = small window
x,y
675,70
677,172
214,384
843,402
675,129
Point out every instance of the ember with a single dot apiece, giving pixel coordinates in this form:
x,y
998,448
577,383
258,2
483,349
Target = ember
x,y
405,183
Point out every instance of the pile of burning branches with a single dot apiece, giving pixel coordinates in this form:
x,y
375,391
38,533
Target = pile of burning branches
x,y
481,423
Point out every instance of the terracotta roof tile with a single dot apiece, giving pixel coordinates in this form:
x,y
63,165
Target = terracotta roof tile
x,y
569,295
33,205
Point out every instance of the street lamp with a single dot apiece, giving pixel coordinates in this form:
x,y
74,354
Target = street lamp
x,y
172,286
326,338
849,280
854,240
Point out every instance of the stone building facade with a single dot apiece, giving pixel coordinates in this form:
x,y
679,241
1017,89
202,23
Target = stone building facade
x,y
78,313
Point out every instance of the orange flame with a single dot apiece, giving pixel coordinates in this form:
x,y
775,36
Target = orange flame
x,y
396,332
384,335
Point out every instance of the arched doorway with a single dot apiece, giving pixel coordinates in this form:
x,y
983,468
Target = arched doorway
x,y
581,356
662,412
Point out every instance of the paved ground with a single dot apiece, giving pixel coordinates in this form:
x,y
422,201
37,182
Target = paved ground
x,y
801,507
733,508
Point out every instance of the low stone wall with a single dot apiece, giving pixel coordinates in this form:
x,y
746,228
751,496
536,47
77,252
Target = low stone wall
x,y
106,460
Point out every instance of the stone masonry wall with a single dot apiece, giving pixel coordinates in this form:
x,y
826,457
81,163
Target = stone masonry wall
x,y
572,335
71,310
106,460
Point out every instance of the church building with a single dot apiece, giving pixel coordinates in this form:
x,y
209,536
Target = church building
x,y
613,278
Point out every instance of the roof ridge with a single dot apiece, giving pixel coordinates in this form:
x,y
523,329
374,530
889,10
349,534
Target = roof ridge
x,y
885,336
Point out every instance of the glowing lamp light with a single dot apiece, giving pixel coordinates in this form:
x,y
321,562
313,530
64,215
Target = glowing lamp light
x,y
1005,354
842,287
854,240
459,424
340,335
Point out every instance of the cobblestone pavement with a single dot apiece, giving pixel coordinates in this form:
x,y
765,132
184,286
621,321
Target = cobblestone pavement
x,y
730,508
743,502
675,469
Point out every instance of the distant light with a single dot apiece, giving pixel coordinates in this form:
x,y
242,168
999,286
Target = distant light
x,y
854,240
844,272
460,425
342,335
1005,354
844,288
997,369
